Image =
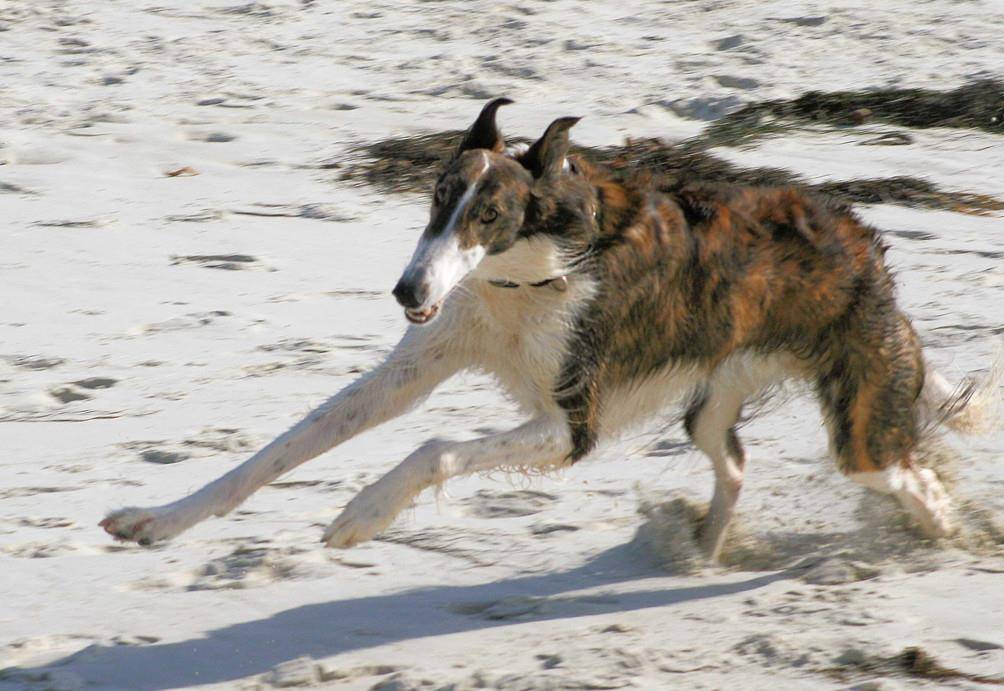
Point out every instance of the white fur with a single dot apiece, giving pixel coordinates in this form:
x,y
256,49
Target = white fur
x,y
920,493
541,443
636,402
740,376
530,260
440,259
718,416
444,263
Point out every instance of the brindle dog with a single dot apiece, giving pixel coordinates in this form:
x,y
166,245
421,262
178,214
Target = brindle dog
x,y
596,304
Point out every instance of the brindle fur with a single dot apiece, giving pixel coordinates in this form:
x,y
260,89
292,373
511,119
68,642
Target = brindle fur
x,y
702,275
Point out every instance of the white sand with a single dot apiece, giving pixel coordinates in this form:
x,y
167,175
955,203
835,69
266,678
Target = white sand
x,y
511,584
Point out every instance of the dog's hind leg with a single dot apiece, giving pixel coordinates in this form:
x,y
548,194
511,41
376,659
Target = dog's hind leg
x,y
418,364
710,422
538,444
870,395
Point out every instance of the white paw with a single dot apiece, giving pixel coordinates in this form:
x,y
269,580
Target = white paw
x,y
365,517
144,526
943,520
932,506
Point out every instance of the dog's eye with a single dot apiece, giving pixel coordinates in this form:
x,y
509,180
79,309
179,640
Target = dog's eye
x,y
489,214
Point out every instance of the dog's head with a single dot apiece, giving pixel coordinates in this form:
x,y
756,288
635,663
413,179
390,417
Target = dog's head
x,y
479,208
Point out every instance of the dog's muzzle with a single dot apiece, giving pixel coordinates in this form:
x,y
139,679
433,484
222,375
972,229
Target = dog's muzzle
x,y
412,295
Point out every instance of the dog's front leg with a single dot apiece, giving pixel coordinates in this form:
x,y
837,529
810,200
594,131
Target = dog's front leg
x,y
418,364
538,444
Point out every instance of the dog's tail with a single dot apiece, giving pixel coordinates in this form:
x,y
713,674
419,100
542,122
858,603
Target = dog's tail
x,y
972,407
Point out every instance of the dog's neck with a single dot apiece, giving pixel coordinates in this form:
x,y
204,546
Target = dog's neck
x,y
534,259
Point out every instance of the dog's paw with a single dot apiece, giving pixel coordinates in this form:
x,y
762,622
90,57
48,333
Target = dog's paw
x,y
133,524
927,499
363,518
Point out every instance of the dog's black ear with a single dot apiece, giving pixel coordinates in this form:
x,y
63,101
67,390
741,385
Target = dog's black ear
x,y
547,155
484,133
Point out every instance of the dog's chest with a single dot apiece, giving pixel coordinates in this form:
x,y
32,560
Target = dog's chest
x,y
521,335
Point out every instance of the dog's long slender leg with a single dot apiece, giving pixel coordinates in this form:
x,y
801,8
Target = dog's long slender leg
x,y
419,363
710,425
539,443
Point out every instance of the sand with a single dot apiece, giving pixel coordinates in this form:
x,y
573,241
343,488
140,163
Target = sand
x,y
184,275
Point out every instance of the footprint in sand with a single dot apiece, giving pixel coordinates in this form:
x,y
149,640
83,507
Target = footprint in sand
x,y
227,262
207,442
298,345
45,522
509,608
304,671
162,457
69,394
187,321
212,137
247,566
546,529
490,504
225,439
76,223
309,354
203,216
317,212
96,383
771,650
12,492
667,447
37,550
78,390
323,485
482,548
33,362
11,188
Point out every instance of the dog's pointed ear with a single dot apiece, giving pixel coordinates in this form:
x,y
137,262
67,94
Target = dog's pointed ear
x,y
484,133
547,155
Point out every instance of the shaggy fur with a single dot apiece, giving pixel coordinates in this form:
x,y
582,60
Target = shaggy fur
x,y
595,304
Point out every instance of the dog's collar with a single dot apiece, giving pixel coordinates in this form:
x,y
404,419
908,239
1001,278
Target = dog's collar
x,y
559,283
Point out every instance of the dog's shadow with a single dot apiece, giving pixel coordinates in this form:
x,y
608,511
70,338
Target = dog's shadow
x,y
330,628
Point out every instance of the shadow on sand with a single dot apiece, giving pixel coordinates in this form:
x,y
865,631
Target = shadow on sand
x,y
326,629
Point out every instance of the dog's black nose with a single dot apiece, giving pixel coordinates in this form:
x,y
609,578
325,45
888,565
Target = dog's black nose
x,y
406,294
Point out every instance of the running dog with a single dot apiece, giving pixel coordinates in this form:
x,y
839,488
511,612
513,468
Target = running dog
x,y
596,304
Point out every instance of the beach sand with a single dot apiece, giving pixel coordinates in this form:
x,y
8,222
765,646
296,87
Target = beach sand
x,y
185,274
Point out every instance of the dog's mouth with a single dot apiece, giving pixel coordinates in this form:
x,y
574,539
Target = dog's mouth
x,y
422,316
